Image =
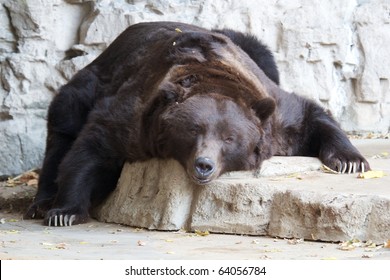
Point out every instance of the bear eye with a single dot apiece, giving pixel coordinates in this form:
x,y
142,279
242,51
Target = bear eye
x,y
169,95
229,139
193,131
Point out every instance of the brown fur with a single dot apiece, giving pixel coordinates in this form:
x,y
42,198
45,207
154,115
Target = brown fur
x,y
173,90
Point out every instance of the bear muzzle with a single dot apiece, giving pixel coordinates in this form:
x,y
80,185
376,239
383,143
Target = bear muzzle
x,y
204,169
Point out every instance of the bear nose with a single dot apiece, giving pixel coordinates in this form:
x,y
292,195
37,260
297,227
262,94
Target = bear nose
x,y
204,167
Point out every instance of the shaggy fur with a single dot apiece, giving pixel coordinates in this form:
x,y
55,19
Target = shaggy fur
x,y
209,99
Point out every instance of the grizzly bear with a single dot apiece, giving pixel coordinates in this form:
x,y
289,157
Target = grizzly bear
x,y
209,99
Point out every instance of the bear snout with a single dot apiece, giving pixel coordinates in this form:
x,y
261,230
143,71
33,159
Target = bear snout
x,y
204,169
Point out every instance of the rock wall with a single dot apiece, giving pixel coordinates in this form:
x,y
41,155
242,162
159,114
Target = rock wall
x,y
332,51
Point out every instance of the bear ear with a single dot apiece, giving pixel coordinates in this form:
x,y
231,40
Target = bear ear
x,y
264,108
197,46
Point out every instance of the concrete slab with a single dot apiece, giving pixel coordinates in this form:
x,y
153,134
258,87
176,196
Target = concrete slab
x,y
94,241
21,239
291,198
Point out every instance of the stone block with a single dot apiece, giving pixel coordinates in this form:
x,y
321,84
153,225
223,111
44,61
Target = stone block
x,y
288,200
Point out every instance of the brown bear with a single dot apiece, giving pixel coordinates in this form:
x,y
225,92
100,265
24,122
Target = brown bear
x,y
209,99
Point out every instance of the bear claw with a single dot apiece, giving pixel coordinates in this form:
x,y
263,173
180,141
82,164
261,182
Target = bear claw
x,y
350,167
61,220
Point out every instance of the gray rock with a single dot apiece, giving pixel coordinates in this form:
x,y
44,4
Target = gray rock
x,y
299,202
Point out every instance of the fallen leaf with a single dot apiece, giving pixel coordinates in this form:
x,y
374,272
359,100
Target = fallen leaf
x,y
327,169
370,244
170,253
371,174
294,175
13,231
61,245
387,244
347,247
10,183
141,243
32,182
202,233
23,178
350,245
178,30
168,240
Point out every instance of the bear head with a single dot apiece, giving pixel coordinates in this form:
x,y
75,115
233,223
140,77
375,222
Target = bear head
x,y
198,122
209,111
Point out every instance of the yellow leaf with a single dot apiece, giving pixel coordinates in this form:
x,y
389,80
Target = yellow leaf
x,y
178,30
202,233
10,183
371,174
327,169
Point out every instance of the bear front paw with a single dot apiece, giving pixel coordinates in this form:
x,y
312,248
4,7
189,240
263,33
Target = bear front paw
x,y
63,218
345,162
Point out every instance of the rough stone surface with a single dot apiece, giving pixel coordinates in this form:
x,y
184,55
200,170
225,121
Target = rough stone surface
x,y
292,199
332,51
30,240
16,199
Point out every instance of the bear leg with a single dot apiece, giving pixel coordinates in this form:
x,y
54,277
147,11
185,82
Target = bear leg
x,y
338,153
332,145
57,146
78,193
85,177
